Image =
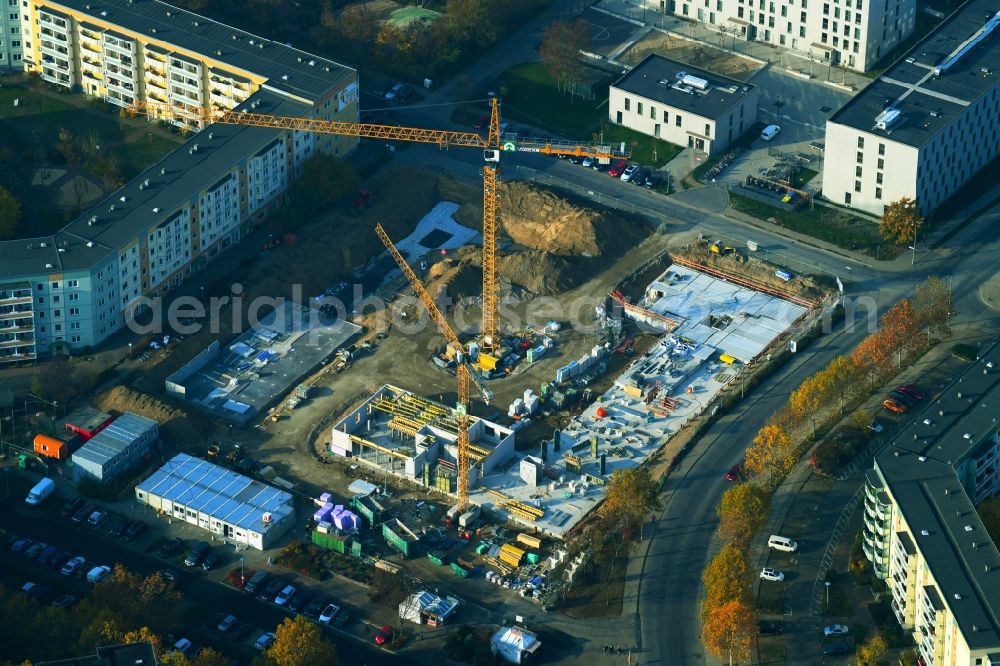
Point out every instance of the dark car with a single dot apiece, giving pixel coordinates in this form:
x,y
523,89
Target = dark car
x,y
301,598
211,561
59,559
651,181
834,649
597,166
135,530
83,513
20,545
46,555
907,400
197,554
171,548
71,506
271,590
770,627
640,176
315,607
118,527
405,94
734,473
239,632
912,391
41,594
574,159
169,575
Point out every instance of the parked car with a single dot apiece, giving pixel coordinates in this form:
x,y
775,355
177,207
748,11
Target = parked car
x,y
770,574
285,595
211,561
256,582
118,527
169,575
97,574
912,390
630,171
35,549
299,600
836,630
46,555
903,398
895,406
97,517
64,601
183,646
770,132
240,632
58,560
617,168
315,607
835,649
384,635
40,593
639,178
71,506
575,159
171,548
876,427
271,590
328,614
197,554
394,91
264,640
72,565
226,624
20,545
770,627
733,473
588,161
404,95
598,166
135,530
651,181
83,513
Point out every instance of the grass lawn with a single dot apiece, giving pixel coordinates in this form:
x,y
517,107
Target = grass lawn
x,y
532,96
802,177
771,650
641,146
824,223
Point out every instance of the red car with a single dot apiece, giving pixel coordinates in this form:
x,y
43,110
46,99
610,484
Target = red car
x,y
733,473
894,405
616,169
912,391
384,635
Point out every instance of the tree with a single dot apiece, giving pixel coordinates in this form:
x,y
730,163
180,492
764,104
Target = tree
x,y
144,634
474,21
631,496
725,579
901,329
871,650
210,657
140,602
10,213
729,631
772,451
932,305
741,511
873,356
298,642
560,51
325,180
900,220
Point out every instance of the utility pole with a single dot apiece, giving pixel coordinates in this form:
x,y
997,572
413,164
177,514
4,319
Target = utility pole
x,y
913,255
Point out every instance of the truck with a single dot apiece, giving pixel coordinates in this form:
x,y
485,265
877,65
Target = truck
x,y
40,492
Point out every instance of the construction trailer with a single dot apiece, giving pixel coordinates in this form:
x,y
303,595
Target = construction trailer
x,y
424,607
515,644
400,537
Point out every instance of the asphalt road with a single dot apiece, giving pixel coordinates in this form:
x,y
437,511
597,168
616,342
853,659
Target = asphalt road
x,y
209,596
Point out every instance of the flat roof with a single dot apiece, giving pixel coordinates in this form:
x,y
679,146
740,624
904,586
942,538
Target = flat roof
x,y
221,493
662,79
919,470
285,67
927,101
115,438
82,245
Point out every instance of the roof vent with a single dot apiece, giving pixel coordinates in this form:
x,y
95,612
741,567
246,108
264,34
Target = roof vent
x,y
967,435
284,77
146,182
195,23
235,37
266,517
62,249
168,13
300,58
104,13
989,364
958,597
153,30
922,458
92,221
896,453
123,199
968,528
141,186
947,491
924,533
327,68
312,63
959,395
887,118
49,266
90,243
260,45
218,52
211,135
111,208
163,171
43,245
252,42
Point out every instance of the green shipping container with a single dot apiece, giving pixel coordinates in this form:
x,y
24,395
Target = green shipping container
x,y
356,548
459,571
482,548
533,558
395,541
436,558
336,542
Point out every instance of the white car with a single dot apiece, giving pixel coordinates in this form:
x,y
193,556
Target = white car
x,y
394,91
771,574
328,614
264,640
71,566
227,623
97,574
770,132
629,171
836,630
286,593
589,161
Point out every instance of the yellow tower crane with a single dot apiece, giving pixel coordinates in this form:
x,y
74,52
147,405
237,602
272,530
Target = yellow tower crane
x,y
463,370
492,145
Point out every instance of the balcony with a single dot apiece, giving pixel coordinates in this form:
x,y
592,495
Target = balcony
x,y
11,330
18,357
16,300
20,342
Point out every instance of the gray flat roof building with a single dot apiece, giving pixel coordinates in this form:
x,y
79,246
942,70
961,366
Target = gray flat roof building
x,y
220,500
117,447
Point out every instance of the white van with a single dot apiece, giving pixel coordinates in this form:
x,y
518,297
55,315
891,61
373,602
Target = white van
x,y
770,132
782,543
40,491
97,574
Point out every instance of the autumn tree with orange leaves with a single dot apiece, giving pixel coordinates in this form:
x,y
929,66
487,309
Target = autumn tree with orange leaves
x,y
729,631
741,511
772,451
725,579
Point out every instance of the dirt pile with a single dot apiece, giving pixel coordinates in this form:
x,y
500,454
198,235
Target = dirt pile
x,y
180,429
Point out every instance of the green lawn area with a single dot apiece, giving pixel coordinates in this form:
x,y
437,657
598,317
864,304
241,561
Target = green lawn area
x,y
803,176
824,223
532,96
641,147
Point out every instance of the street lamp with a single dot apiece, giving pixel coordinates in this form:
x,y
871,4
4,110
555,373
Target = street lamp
x,y
913,256
848,273
827,596
242,581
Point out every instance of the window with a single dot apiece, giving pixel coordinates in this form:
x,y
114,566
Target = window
x,y
878,192
878,178
74,338
802,31
857,186
677,120
836,40
73,297
57,328
826,23
861,157
72,283
802,17
857,171
826,9
55,285
881,163
708,129
638,108
628,104
847,198
784,10
861,142
74,326
74,311
55,298
57,313
666,116
881,149
823,38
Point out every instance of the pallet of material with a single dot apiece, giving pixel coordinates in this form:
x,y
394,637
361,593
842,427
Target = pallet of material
x,y
510,560
529,541
497,564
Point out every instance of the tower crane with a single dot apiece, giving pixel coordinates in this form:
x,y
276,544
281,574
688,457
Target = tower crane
x,y
464,369
493,144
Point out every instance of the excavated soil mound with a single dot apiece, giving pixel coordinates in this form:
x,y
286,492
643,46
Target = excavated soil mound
x,y
180,429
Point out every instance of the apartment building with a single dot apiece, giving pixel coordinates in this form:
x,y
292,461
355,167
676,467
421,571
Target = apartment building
x,y
926,125
681,104
851,33
76,288
10,36
921,530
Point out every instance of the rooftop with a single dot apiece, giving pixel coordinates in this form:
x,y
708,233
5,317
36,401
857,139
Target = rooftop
x,y
919,469
285,67
222,494
115,438
98,234
130,654
684,87
955,64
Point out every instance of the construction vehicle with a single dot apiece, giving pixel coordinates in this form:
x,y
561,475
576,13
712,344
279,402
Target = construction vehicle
x,y
719,248
492,145
463,368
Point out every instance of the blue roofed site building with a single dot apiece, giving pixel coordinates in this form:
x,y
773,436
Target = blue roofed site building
x,y
76,288
922,532
233,507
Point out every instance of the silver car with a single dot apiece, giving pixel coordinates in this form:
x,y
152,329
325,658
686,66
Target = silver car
x,y
629,172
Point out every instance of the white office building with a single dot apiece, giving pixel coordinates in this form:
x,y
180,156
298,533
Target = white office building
x,y
926,125
681,104
851,33
118,448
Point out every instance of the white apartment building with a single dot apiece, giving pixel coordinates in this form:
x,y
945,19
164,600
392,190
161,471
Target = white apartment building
x,y
851,33
681,104
926,125
74,289
10,36
921,530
